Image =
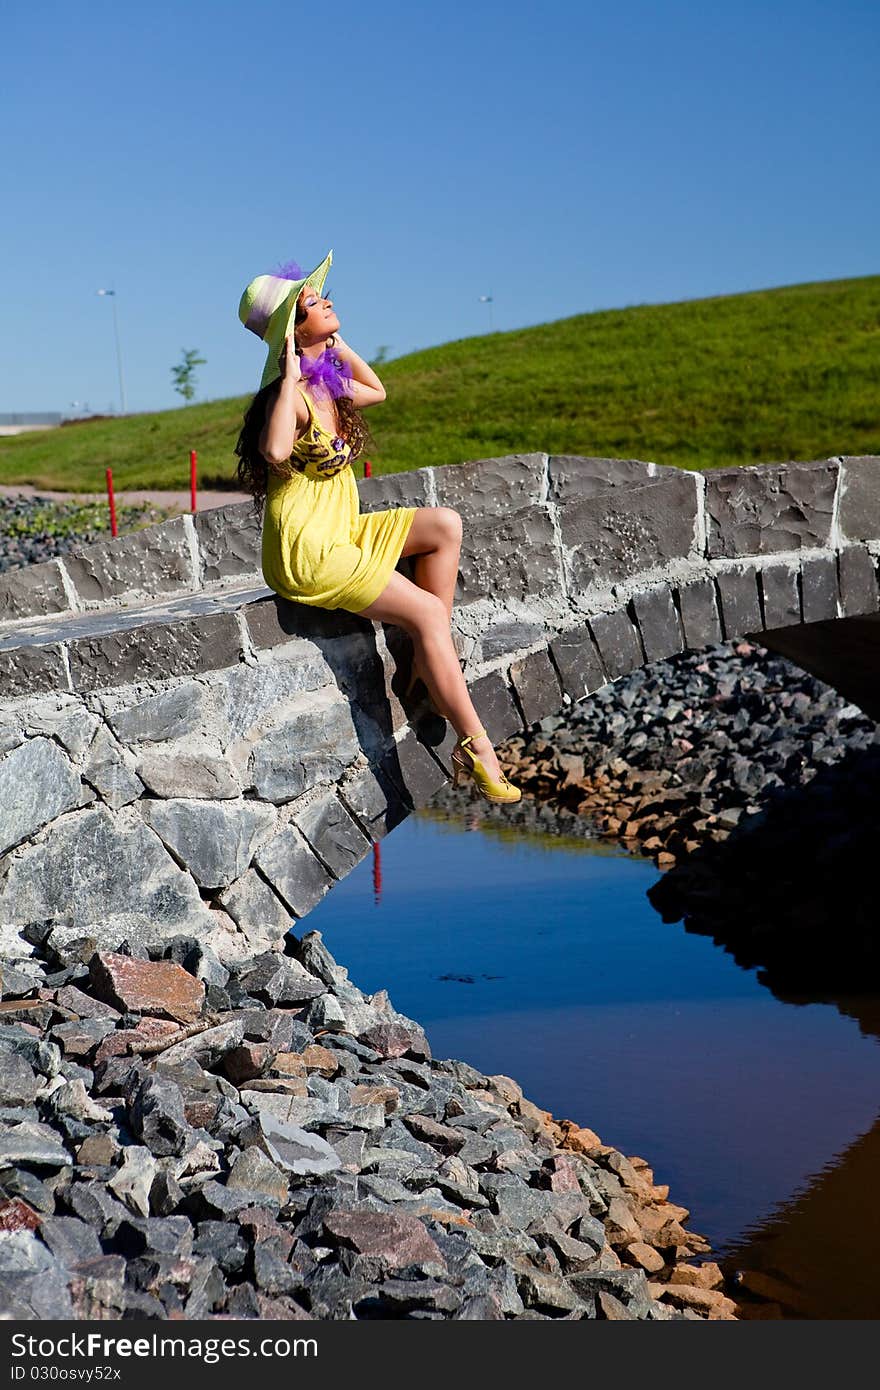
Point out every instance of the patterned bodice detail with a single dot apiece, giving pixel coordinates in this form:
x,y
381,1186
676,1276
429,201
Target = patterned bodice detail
x,y
318,451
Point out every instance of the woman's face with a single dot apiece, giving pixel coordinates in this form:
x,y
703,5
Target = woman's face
x,y
320,319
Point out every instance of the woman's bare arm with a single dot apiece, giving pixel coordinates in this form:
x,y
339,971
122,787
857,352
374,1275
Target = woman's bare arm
x,y
366,388
286,412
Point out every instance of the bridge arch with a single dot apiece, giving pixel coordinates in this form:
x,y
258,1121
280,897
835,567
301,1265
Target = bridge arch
x,y
182,751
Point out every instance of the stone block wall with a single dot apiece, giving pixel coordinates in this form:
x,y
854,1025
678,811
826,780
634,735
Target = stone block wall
x,y
181,750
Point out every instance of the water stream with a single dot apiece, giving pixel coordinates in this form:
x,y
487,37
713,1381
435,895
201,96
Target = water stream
x,y
542,957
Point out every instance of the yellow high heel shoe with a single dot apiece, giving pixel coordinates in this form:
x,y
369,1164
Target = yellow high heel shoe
x,y
499,792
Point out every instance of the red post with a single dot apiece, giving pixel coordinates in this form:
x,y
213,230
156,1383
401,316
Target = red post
x,y
113,531
377,872
192,479
368,472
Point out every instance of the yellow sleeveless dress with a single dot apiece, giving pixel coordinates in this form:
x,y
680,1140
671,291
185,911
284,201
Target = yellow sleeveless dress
x,y
317,548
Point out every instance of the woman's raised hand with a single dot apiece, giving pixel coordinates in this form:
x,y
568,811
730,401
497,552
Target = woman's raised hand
x,y
288,360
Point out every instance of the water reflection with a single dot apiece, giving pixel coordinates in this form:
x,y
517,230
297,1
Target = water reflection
x,y
542,957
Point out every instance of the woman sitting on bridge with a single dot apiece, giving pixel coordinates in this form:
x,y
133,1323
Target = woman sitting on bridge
x,y
300,434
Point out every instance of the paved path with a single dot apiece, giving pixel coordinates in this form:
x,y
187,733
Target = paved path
x,y
177,500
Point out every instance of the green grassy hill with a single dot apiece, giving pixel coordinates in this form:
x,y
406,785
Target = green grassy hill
x,y
776,374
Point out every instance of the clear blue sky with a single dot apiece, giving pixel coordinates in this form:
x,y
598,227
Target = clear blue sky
x,y
561,157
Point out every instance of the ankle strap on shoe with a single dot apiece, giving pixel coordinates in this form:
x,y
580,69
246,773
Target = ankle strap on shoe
x,y
467,738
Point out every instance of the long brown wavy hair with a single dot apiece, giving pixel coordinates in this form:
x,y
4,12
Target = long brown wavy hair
x,y
253,469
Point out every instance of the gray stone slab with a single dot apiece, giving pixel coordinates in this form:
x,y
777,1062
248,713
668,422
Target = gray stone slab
x,y
333,834
506,637
152,561
514,556
782,602
819,591
491,487
155,652
417,774
537,686
315,743
573,475
273,620
859,508
123,618
37,783
214,840
245,695
374,800
577,659
700,618
740,606
293,870
614,535
94,872
32,590
29,670
617,640
658,622
410,488
257,911
230,541
168,715
769,508
105,767
492,699
858,581
188,775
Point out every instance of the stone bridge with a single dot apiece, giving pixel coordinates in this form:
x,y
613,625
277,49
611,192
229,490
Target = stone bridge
x,y
183,752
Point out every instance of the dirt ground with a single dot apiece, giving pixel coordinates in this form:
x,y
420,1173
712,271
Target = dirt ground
x,y
179,501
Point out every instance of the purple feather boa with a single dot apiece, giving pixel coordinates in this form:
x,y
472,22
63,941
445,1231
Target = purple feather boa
x,y
327,375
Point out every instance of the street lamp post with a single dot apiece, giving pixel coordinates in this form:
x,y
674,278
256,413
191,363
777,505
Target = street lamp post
x,y
487,299
118,348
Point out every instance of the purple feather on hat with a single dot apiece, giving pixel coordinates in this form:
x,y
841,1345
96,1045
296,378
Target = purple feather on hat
x,y
290,270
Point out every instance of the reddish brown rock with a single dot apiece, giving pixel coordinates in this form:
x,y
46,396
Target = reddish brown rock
x,y
563,1177
707,1276
83,1005
247,1061
612,1309
580,1139
282,1085
621,1226
709,1301
394,1040
121,1040
396,1237
644,1256
16,1215
320,1059
289,1064
389,1096
97,1149
146,986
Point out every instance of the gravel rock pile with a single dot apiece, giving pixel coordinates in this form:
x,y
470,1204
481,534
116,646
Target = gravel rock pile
x,y
32,545
678,754
183,1140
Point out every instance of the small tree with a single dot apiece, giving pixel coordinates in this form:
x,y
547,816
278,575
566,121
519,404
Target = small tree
x,y
380,356
184,373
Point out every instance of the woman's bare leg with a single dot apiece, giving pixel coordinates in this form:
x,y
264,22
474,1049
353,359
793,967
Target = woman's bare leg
x,y
434,542
434,539
423,615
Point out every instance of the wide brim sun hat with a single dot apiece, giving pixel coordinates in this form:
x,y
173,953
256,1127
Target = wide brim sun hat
x,y
268,308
